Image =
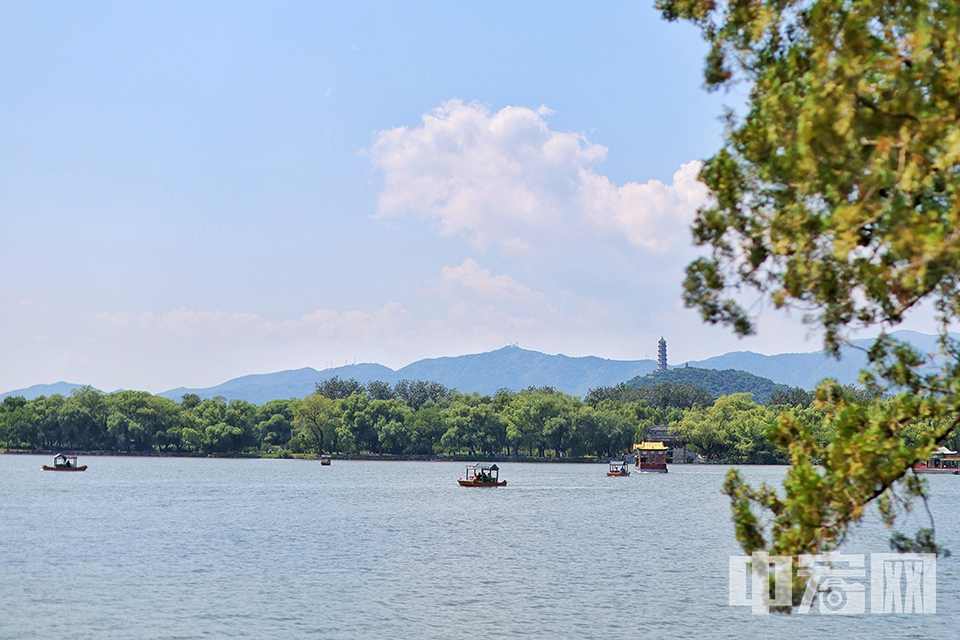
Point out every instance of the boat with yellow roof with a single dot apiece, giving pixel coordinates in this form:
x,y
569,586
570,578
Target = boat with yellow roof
x,y
652,457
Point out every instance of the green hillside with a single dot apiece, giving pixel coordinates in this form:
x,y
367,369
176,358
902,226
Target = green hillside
x,y
718,383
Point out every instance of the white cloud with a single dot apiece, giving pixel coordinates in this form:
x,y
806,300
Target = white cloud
x,y
476,280
652,215
496,309
507,178
220,325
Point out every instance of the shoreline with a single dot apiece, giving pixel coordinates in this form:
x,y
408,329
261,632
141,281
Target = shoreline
x,y
313,457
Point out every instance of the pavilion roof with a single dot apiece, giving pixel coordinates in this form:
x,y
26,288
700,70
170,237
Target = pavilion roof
x,y
651,446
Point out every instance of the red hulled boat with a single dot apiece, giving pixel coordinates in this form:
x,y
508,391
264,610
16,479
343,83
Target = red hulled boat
x,y
63,462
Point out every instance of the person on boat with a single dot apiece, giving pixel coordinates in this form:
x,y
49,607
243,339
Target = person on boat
x,y
67,464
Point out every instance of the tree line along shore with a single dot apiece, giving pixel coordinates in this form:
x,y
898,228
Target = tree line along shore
x,y
416,418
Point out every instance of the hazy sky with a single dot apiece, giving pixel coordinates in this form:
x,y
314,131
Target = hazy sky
x,y
195,191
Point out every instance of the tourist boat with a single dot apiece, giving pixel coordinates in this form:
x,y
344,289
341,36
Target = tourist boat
x,y
65,463
652,457
482,476
325,461
618,468
942,460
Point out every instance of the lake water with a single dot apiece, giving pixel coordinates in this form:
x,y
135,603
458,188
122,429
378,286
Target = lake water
x,y
202,548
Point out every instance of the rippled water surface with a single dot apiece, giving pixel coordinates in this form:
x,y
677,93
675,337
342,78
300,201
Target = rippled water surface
x,y
194,548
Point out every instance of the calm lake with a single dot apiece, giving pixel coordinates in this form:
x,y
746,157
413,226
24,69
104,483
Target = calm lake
x,y
201,548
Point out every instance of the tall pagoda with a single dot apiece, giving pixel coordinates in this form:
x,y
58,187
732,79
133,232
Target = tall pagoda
x,y
662,355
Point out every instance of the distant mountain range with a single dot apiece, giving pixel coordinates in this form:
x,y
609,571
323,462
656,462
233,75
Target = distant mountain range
x,y
806,370
516,368
37,390
509,367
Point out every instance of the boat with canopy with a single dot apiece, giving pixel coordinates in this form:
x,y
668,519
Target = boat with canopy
x,y
63,462
619,469
942,460
479,475
652,457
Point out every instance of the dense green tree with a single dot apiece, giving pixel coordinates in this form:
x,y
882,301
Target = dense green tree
x,y
734,429
274,422
679,395
189,400
715,382
19,427
137,420
357,426
620,431
706,431
603,431
380,390
618,393
47,415
215,426
11,409
316,419
837,193
474,424
426,428
417,393
794,397
537,422
526,415
587,436
661,395
390,418
82,419
337,389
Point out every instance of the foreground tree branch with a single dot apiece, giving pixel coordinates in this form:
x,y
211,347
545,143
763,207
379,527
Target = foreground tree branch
x,y
838,192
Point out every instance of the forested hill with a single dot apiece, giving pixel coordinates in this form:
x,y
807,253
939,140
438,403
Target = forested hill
x,y
515,368
718,383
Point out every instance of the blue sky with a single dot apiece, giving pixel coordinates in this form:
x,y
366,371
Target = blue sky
x,y
199,190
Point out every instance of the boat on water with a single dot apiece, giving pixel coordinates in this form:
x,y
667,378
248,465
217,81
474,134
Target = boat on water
x,y
619,469
325,461
652,457
942,460
63,462
482,476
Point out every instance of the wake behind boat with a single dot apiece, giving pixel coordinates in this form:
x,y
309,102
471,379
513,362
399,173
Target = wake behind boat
x,y
65,463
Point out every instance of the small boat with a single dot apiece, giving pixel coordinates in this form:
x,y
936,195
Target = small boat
x,y
482,476
618,468
942,460
65,463
652,457
325,461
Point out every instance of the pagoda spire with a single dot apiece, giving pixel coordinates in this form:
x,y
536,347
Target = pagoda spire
x,y
662,355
